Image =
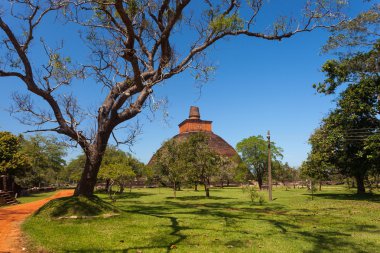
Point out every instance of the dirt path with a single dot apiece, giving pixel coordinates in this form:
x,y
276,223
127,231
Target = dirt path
x,y
11,218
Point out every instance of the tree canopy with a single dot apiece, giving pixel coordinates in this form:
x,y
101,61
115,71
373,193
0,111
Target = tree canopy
x,y
254,152
189,161
12,160
120,167
46,156
347,140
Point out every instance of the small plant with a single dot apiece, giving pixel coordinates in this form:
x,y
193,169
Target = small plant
x,y
311,187
252,192
261,200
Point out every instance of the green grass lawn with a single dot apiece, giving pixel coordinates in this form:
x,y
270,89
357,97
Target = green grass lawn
x,y
151,220
35,197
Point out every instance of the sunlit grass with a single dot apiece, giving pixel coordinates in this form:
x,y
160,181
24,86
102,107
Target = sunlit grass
x,y
151,220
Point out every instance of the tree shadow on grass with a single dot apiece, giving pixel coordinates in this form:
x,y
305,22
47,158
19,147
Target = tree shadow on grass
x,y
334,241
348,196
321,240
186,198
131,195
160,242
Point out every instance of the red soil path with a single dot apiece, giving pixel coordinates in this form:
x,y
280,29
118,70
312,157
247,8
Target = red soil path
x,y
11,217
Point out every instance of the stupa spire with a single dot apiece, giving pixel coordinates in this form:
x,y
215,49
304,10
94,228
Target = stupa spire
x,y
194,113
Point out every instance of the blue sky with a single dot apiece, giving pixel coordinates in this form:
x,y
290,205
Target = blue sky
x,y
258,86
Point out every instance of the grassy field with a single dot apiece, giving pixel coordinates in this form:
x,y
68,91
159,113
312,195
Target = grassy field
x,y
151,220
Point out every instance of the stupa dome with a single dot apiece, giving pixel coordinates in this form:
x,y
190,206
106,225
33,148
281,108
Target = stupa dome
x,y
194,124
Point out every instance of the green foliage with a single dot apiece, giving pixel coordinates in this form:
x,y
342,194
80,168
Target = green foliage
x,y
170,163
227,169
73,170
120,167
345,143
283,172
372,148
133,8
9,145
242,173
12,160
253,194
46,158
222,23
318,166
254,152
189,160
35,161
351,69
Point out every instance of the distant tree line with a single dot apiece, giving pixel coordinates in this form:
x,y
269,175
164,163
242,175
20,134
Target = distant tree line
x,y
191,162
35,161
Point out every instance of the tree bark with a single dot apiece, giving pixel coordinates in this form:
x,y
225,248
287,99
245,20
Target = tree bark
x,y
121,189
175,190
207,187
353,183
260,182
320,185
360,184
107,185
196,187
5,183
86,184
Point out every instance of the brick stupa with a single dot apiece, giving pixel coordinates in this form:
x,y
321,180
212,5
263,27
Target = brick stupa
x,y
194,124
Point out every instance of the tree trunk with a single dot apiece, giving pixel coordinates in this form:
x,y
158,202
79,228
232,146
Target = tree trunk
x,y
130,186
121,188
320,185
175,190
228,182
348,183
260,182
196,187
107,185
353,184
207,187
221,183
86,184
360,184
5,183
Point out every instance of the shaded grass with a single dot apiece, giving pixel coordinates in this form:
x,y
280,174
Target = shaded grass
x,y
152,221
75,206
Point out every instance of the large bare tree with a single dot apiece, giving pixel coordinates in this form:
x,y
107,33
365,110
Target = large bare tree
x,y
133,46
